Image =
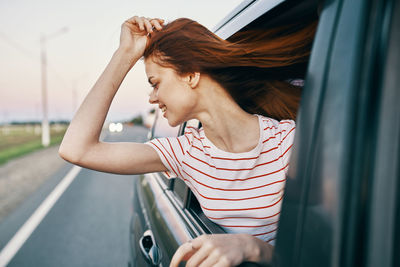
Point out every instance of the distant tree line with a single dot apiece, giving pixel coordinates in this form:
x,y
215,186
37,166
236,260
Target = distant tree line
x,y
138,120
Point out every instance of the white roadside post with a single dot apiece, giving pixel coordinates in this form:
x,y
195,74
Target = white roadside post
x,y
43,60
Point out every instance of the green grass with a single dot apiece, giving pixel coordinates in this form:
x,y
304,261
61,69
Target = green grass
x,y
18,142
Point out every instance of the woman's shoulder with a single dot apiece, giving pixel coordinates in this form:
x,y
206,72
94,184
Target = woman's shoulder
x,y
275,125
275,132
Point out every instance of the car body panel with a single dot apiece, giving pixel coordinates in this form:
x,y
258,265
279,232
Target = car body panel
x,y
327,204
244,14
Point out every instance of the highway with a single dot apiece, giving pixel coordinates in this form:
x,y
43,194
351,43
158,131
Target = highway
x,y
88,225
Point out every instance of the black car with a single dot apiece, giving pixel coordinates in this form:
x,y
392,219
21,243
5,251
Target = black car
x,y
342,197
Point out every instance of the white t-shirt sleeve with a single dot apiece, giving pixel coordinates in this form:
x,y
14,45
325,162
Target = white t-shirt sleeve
x,y
171,151
287,129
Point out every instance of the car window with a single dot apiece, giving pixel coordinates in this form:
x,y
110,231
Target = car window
x,y
180,189
161,128
178,186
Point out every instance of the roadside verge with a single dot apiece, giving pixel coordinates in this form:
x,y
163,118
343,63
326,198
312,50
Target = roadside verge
x,y
22,176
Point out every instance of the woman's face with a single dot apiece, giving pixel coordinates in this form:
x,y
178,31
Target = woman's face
x,y
171,92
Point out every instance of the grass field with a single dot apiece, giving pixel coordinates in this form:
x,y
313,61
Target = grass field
x,y
18,140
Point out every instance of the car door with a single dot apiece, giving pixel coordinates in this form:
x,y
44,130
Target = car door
x,y
165,214
342,198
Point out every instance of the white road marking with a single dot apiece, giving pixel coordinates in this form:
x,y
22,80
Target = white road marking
x,y
30,225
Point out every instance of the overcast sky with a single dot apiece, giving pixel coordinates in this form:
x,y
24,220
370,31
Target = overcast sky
x,y
77,57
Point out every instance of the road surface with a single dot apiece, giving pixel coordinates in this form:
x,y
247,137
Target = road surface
x,y
87,226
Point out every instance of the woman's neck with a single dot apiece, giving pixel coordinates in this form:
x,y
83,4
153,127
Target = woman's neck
x,y
225,124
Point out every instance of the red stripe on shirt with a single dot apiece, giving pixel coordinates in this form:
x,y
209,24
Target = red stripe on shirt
x,y
287,149
166,150
249,226
164,157
244,169
266,232
170,145
242,189
202,138
172,149
180,146
263,141
221,158
254,208
230,180
231,199
202,149
187,138
270,127
281,122
197,138
287,135
247,218
269,139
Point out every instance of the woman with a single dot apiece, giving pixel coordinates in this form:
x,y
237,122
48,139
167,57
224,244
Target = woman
x,y
236,163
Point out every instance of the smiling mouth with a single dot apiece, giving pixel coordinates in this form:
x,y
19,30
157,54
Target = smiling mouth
x,y
163,109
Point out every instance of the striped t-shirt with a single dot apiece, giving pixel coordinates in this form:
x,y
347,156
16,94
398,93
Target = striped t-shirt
x,y
241,192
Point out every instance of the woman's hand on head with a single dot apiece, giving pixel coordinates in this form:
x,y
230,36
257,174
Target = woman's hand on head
x,y
134,34
220,250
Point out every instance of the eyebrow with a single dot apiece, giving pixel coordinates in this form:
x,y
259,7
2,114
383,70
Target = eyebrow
x,y
149,79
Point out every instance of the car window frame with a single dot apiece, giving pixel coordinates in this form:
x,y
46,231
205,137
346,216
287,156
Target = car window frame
x,y
248,14
165,182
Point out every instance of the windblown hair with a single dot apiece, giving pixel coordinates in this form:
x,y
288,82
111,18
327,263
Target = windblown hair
x,y
253,66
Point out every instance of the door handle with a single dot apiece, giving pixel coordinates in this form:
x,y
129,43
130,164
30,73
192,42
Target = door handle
x,y
149,248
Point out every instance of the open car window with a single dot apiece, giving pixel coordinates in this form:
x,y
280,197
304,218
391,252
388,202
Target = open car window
x,y
285,13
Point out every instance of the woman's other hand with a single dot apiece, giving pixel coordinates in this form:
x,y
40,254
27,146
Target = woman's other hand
x,y
134,34
222,250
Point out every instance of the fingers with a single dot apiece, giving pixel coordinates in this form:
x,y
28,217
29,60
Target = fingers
x,y
157,23
139,22
146,24
197,252
209,262
200,255
182,253
206,256
211,250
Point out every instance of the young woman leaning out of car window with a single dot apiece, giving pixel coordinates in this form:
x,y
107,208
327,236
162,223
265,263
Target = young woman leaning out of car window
x,y
241,92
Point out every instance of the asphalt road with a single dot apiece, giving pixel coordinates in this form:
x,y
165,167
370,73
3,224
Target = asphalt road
x,y
87,226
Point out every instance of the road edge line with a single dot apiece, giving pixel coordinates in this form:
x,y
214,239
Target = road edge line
x,y
18,240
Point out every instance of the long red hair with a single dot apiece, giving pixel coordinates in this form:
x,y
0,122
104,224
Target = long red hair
x,y
253,66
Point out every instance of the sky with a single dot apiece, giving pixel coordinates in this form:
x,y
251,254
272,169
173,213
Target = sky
x,y
77,56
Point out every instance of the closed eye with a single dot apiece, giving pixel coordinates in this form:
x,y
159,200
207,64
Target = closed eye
x,y
154,85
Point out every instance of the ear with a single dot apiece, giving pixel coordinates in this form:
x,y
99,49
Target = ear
x,y
193,79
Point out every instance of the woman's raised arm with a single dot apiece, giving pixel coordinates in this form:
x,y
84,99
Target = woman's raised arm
x,y
81,143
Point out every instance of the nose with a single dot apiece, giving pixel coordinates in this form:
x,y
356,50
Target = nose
x,y
153,97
